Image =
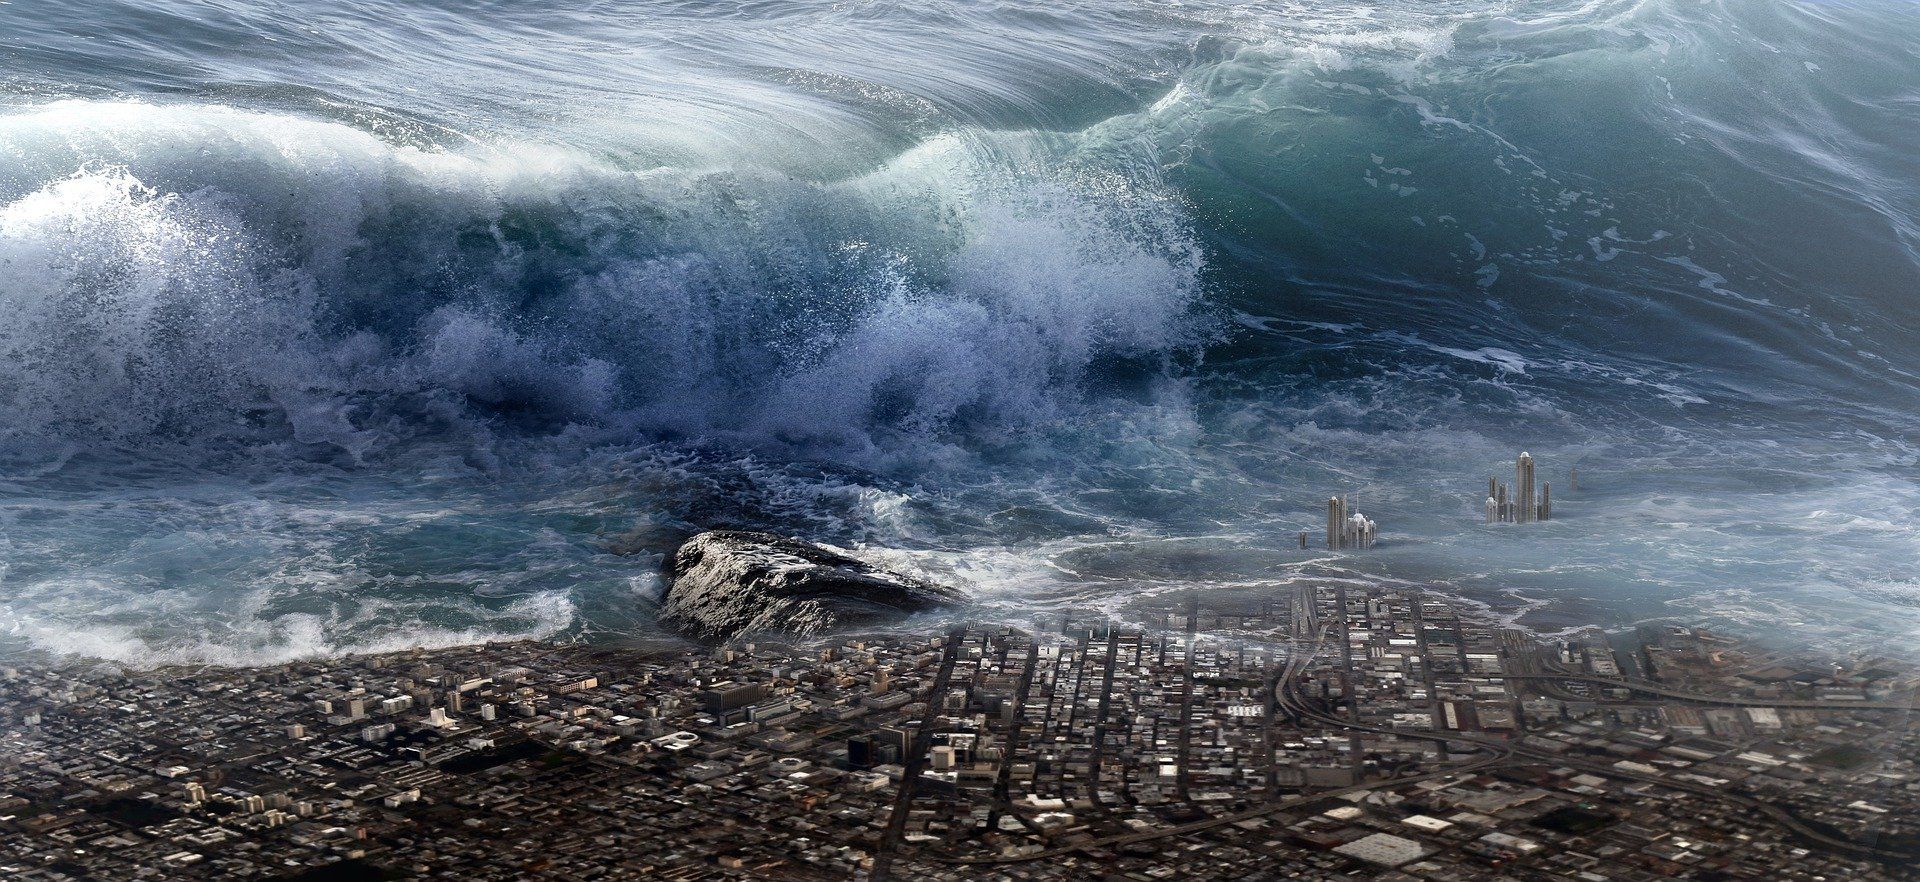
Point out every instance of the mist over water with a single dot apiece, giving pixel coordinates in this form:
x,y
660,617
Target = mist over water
x,y
353,326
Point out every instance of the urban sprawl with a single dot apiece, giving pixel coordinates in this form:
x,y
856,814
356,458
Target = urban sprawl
x,y
1320,733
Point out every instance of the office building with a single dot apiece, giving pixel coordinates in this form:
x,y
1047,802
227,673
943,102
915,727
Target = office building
x,y
1346,527
1522,502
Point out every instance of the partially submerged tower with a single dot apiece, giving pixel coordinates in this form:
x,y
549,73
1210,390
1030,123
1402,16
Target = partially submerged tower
x,y
1524,501
1346,527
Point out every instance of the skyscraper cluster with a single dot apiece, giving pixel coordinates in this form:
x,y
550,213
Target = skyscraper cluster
x,y
1347,528
1520,503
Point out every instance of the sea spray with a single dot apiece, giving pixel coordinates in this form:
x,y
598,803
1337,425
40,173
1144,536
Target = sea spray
x,y
351,328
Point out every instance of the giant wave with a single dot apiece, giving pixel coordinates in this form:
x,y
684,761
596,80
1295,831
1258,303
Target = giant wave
x,y
354,329
180,269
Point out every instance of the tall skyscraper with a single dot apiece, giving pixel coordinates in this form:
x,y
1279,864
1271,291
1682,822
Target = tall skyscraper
x,y
1523,482
1347,528
1336,516
1523,502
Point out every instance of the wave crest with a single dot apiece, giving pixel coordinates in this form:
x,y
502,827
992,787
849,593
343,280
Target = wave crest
x,y
193,269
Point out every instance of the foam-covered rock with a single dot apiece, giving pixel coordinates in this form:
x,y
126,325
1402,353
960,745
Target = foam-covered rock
x,y
725,583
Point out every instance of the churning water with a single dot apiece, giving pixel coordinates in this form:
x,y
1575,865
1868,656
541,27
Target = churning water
x,y
345,325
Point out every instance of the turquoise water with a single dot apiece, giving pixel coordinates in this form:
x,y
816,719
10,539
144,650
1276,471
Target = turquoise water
x,y
340,326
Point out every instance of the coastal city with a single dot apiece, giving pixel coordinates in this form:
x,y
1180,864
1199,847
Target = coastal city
x,y
1011,441
1319,732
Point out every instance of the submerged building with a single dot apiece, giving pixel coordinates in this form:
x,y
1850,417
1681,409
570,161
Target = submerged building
x,y
1347,528
1520,503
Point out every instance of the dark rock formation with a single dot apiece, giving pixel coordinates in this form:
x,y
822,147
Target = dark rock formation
x,y
725,583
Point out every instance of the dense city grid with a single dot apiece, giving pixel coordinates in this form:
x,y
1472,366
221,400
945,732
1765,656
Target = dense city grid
x,y
1321,733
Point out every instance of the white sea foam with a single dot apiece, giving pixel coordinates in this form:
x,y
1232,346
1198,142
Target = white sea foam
x,y
216,259
325,372
257,285
266,641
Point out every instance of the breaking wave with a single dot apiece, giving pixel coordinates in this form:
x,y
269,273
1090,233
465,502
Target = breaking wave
x,y
187,271
341,327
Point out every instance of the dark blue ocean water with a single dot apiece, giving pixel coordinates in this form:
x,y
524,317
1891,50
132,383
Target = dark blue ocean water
x,y
331,325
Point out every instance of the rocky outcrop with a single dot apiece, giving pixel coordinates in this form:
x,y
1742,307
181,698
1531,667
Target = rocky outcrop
x,y
725,583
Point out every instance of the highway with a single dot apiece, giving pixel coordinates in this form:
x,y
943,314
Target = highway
x,y
915,761
1731,701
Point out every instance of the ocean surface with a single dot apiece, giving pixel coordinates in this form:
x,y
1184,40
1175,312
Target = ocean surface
x,y
333,326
